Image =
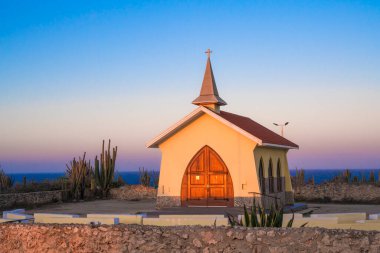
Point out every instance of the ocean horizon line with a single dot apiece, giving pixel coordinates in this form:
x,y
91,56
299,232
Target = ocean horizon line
x,y
116,171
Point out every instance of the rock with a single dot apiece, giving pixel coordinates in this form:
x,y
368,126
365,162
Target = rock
x,y
239,235
339,192
206,250
250,237
197,243
136,238
103,229
207,236
63,245
133,192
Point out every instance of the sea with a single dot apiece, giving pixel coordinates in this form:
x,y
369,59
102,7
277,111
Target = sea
x,y
132,177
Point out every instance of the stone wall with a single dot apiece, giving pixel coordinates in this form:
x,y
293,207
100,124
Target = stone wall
x,y
135,238
29,199
168,201
133,192
339,192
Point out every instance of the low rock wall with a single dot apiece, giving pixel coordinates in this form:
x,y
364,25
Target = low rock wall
x,y
133,192
135,238
339,193
30,199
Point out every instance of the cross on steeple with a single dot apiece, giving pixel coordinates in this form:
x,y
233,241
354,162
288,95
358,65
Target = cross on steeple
x,y
208,52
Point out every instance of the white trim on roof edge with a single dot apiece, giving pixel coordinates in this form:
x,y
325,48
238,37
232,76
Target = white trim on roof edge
x,y
154,142
201,109
278,146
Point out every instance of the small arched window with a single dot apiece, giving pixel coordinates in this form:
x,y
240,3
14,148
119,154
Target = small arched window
x,y
270,176
261,176
279,179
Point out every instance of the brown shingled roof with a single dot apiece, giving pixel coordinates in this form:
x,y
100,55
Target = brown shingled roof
x,y
254,128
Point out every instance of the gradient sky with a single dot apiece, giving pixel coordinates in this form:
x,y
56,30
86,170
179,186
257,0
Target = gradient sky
x,y
75,72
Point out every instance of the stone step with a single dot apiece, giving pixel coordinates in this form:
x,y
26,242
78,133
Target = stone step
x,y
68,220
123,218
185,221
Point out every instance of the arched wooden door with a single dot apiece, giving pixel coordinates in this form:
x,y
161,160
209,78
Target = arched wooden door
x,y
206,181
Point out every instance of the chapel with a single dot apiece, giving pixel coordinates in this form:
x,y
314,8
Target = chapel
x,y
212,157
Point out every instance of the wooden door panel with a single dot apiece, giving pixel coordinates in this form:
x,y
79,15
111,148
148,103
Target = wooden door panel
x,y
217,193
199,163
216,179
215,163
197,179
198,193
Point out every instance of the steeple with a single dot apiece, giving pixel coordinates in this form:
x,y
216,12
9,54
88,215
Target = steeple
x,y
209,95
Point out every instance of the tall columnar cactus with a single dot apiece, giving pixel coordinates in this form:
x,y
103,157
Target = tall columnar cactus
x,y
144,177
364,180
24,182
372,178
105,169
346,176
6,181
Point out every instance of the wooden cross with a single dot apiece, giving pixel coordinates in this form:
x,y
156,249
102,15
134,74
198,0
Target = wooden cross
x,y
208,52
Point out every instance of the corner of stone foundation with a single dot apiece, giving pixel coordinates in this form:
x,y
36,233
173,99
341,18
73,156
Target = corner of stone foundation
x,y
168,201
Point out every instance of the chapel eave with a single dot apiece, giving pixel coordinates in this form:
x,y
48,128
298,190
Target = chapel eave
x,y
280,142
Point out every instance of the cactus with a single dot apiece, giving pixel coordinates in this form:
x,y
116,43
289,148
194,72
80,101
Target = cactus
x,y
79,173
346,176
300,178
155,175
363,179
120,181
105,169
24,182
144,177
6,181
93,184
372,179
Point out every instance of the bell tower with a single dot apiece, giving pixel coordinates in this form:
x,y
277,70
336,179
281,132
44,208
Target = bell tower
x,y
209,96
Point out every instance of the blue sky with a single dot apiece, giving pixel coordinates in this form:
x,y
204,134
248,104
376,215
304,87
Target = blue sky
x,y
75,72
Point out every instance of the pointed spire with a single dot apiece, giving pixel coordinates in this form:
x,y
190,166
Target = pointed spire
x,y
209,92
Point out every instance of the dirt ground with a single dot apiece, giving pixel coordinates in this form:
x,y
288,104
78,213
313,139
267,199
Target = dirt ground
x,y
148,206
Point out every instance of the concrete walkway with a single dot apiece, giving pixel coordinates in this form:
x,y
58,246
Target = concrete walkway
x,y
97,206
344,208
148,206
